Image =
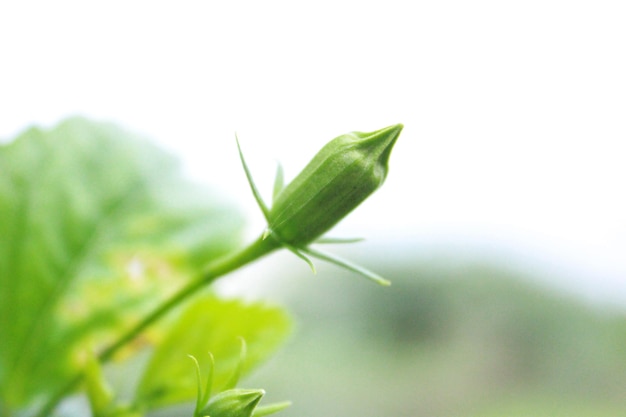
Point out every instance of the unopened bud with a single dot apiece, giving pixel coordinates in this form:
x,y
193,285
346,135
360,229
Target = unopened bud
x,y
233,403
342,174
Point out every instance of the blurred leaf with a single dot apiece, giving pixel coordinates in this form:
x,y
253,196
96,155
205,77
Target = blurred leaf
x,y
211,325
96,225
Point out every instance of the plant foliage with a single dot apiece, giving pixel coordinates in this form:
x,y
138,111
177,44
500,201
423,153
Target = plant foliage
x,y
101,242
96,227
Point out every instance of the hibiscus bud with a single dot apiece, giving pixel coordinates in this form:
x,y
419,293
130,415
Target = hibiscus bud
x,y
343,173
233,403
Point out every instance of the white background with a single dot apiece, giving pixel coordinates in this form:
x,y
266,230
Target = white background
x,y
514,111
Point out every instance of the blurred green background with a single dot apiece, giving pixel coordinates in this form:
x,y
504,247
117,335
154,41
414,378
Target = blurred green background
x,y
453,336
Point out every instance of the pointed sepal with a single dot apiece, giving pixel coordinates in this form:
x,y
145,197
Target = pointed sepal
x,y
336,260
253,187
300,253
266,410
338,240
234,379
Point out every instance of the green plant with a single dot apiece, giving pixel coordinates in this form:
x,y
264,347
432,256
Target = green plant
x,y
107,255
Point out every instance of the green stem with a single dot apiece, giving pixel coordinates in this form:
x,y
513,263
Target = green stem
x,y
214,270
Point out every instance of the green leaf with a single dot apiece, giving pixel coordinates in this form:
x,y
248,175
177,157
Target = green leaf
x,y
96,227
210,324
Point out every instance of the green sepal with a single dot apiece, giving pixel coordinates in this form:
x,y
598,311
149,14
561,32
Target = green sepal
x,y
234,379
300,253
340,240
209,380
266,233
266,410
200,395
203,393
348,265
253,187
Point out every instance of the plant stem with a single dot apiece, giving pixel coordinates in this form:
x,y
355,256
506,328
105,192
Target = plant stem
x,y
214,270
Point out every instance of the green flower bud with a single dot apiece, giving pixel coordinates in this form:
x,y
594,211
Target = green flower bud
x,y
343,173
341,176
233,403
